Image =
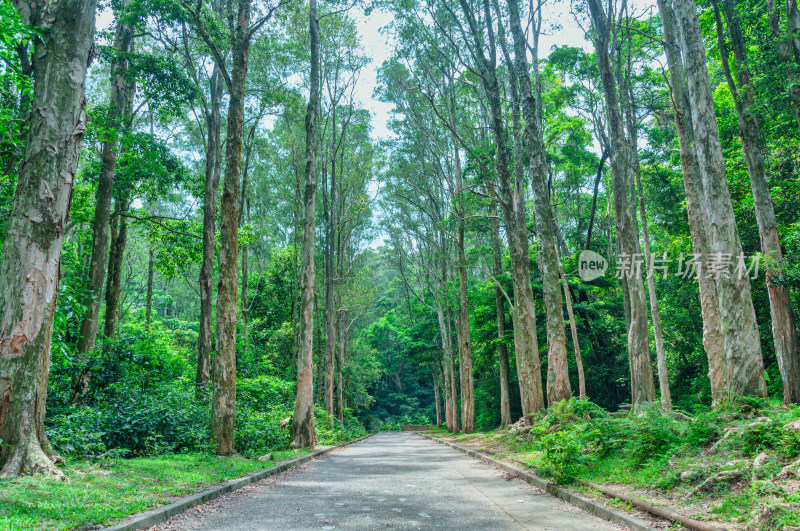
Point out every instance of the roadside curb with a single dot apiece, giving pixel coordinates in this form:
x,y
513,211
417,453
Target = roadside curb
x,y
165,512
598,509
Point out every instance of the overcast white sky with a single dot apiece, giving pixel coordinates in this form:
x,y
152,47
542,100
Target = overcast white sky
x,y
559,29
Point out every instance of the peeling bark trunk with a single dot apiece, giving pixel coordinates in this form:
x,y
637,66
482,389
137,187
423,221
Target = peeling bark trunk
x,y
742,344
223,367
525,341
642,386
558,386
784,327
30,268
693,186
464,341
500,312
121,104
303,431
206,280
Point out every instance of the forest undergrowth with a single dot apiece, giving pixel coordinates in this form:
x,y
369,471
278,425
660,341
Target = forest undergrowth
x,y
737,466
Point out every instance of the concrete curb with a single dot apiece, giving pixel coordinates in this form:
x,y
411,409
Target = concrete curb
x,y
165,512
590,506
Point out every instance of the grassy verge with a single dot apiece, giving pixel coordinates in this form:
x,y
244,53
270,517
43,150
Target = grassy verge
x,y
737,467
100,492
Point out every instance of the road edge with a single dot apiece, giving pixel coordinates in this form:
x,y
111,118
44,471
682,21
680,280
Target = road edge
x,y
146,519
592,507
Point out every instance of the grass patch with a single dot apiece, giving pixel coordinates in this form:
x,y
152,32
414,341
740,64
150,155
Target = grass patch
x,y
101,492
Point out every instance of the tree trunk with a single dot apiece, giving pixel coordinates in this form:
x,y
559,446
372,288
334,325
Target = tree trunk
x,y
30,268
303,431
693,186
119,240
213,168
151,258
574,329
558,386
464,341
340,359
500,312
655,312
121,103
223,367
642,386
742,344
513,203
784,327
437,399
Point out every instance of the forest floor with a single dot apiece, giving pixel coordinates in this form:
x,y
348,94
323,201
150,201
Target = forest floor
x,y
744,476
98,492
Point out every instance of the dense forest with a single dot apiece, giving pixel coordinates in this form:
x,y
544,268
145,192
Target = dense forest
x,y
207,248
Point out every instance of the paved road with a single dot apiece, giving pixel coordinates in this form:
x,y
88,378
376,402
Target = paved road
x,y
389,481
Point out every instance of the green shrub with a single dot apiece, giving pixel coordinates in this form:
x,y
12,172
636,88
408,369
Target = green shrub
x,y
77,433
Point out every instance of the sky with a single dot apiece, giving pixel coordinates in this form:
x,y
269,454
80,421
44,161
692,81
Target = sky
x,y
559,29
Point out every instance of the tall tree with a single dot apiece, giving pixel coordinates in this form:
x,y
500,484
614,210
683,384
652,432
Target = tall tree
x,y
558,386
120,108
744,370
303,431
784,327
642,387
31,265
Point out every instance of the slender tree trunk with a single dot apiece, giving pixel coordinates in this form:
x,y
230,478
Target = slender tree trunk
x,y
245,283
597,178
558,386
213,169
121,102
303,431
340,359
500,312
436,398
655,312
464,341
30,268
642,386
744,364
574,329
119,241
793,22
784,327
151,258
223,367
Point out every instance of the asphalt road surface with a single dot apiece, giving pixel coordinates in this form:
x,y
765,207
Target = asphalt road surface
x,y
389,481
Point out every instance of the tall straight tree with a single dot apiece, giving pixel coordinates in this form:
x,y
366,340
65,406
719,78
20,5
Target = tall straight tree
x,y
744,367
512,200
784,327
303,432
223,370
31,265
641,371
499,304
695,197
120,108
558,387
